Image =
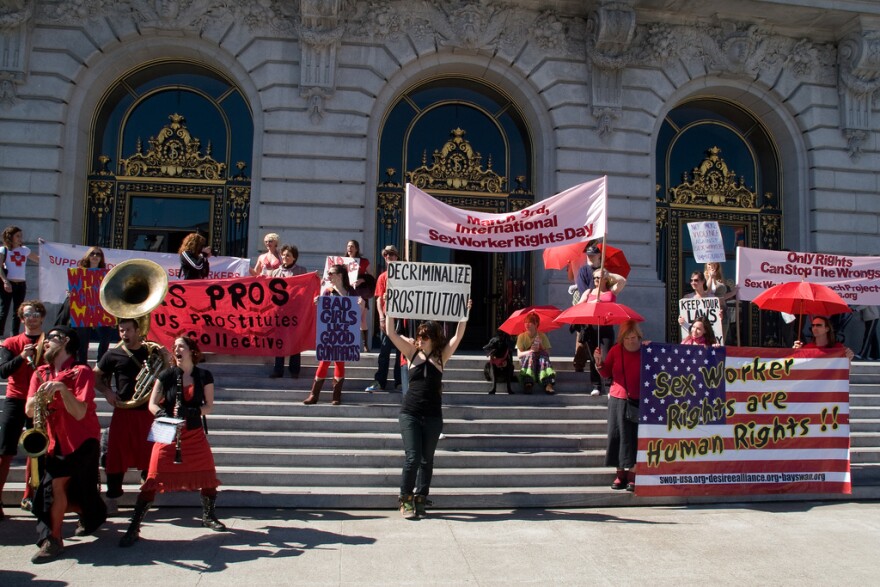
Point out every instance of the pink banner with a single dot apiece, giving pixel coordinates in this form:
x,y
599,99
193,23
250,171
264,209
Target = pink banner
x,y
575,215
855,279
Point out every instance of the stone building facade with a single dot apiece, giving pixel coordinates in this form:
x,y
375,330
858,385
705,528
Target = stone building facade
x,y
129,122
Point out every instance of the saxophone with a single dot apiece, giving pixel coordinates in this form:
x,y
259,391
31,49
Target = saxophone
x,y
34,442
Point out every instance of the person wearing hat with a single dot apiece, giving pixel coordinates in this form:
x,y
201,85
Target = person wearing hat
x,y
62,394
380,379
584,282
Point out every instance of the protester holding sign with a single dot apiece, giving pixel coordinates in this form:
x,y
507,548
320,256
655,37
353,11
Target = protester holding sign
x,y
194,254
823,337
364,285
287,268
701,333
606,287
93,259
421,415
623,364
703,304
13,261
339,286
716,286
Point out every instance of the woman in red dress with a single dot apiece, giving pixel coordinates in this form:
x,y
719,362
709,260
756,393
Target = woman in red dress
x,y
186,392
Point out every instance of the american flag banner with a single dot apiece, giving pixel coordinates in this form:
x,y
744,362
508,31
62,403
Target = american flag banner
x,y
740,420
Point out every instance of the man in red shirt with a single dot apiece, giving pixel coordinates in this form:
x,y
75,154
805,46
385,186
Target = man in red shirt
x,y
61,399
380,379
18,357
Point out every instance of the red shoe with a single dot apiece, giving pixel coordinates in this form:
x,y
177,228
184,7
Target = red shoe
x,y
620,481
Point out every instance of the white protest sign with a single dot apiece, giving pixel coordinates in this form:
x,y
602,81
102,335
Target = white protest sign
x,y
352,266
855,279
428,291
707,242
57,258
710,307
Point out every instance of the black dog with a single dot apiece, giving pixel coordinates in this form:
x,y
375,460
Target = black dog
x,y
500,363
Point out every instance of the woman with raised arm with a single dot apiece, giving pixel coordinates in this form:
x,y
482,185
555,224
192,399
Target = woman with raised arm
x,y
421,413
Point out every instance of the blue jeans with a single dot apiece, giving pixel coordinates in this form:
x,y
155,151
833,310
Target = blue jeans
x,y
384,358
420,436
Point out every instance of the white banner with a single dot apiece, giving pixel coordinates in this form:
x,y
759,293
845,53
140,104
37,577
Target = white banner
x,y
57,258
428,291
707,242
352,266
710,307
575,215
855,279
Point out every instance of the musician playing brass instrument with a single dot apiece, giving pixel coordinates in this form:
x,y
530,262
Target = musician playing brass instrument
x,y
19,355
64,394
185,392
127,444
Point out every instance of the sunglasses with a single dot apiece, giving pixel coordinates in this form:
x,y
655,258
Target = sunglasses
x,y
96,254
696,281
31,314
54,336
816,325
333,273
424,336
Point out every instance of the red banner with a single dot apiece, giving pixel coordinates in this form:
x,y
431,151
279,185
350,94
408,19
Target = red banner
x,y
256,316
84,289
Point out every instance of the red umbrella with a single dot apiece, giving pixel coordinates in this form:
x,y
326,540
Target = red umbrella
x,y
560,257
516,323
615,261
600,313
802,297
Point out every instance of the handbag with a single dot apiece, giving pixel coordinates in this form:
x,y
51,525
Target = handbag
x,y
631,411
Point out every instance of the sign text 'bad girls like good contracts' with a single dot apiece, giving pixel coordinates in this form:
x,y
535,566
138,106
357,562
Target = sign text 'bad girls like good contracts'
x,y
428,291
855,279
254,316
338,332
575,215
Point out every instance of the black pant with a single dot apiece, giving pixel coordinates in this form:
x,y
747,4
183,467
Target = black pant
x,y
9,302
420,436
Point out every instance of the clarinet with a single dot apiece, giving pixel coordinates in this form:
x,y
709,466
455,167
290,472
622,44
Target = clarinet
x,y
179,401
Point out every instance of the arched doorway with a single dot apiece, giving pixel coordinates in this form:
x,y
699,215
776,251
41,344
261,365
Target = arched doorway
x,y
717,161
466,143
171,146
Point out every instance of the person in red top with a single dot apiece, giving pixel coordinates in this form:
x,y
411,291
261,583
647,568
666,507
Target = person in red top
x,y
623,364
823,337
380,379
63,395
18,357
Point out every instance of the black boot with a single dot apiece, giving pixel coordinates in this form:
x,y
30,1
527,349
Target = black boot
x,y
209,518
134,528
337,392
315,393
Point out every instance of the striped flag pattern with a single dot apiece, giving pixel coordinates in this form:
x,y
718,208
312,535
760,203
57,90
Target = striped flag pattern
x,y
739,420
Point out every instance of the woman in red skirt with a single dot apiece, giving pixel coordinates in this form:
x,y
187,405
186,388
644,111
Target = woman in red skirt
x,y
186,392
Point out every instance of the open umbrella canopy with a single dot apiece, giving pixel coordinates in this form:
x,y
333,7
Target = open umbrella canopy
x,y
802,297
574,254
599,313
516,323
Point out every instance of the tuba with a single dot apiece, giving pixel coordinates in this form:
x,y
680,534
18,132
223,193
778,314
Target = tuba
x,y
133,289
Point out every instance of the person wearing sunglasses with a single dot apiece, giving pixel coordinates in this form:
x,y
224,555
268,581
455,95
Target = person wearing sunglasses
x,y
339,286
288,268
19,356
823,337
93,259
64,392
421,413
700,291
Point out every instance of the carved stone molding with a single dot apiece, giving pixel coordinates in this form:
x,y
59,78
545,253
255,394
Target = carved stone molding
x,y
612,27
320,31
859,82
16,19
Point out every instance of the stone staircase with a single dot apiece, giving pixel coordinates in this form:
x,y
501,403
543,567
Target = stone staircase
x,y
499,450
